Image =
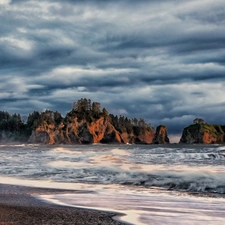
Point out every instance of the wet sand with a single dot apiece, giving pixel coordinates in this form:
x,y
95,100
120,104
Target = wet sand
x,y
18,206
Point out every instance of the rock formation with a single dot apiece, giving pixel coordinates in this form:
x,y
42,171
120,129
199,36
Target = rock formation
x,y
82,131
203,133
86,123
161,135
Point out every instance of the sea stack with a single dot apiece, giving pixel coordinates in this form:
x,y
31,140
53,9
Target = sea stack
x,y
202,133
161,135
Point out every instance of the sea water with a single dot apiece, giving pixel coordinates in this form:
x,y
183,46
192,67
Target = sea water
x,y
144,184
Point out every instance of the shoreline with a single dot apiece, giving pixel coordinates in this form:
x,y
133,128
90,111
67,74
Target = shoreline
x,y
19,206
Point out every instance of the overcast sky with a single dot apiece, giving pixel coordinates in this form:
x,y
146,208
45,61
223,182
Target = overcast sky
x,y
159,60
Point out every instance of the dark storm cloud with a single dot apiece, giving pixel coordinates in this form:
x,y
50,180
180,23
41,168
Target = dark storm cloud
x,y
198,93
215,13
210,76
159,60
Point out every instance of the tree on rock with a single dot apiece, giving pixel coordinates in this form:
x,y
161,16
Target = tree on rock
x,y
96,107
199,121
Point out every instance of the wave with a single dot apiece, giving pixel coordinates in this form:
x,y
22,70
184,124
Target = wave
x,y
193,179
182,182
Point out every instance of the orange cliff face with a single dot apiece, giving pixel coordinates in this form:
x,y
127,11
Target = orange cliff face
x,y
47,134
77,132
103,131
142,137
207,138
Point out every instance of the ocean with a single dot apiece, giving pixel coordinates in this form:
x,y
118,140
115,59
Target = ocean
x,y
144,184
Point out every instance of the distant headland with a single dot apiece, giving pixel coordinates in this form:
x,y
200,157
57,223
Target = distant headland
x,y
86,123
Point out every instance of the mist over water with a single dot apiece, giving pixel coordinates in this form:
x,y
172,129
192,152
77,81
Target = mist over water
x,y
150,184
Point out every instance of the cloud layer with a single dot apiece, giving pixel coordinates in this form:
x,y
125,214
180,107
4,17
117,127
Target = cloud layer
x,y
159,60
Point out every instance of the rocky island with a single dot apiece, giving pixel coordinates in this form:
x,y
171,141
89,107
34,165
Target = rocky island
x,y
86,123
202,133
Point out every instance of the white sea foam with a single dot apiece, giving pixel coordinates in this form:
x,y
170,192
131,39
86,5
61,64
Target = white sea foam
x,y
148,207
64,150
120,152
12,145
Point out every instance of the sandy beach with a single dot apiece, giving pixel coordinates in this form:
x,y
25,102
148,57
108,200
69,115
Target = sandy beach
x,y
18,206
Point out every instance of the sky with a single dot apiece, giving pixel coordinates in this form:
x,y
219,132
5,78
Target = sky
x,y
159,60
